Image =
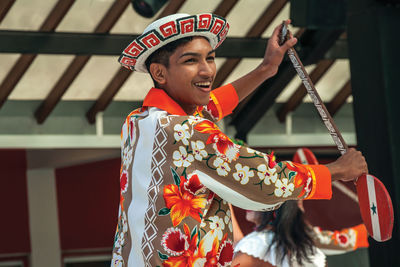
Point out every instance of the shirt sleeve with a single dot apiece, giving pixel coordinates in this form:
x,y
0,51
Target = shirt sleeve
x,y
342,241
242,176
223,101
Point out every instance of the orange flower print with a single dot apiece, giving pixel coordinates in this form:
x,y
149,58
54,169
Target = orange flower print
x,y
303,178
223,146
271,160
181,246
185,200
220,253
207,126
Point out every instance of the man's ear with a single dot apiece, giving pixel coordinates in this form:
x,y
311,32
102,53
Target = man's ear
x,y
158,71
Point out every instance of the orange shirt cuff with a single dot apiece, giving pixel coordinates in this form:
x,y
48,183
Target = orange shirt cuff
x,y
226,99
362,236
322,183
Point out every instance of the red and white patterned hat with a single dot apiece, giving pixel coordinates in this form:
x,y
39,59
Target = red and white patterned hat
x,y
171,28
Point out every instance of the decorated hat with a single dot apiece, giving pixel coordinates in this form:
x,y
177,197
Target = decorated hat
x,y
171,28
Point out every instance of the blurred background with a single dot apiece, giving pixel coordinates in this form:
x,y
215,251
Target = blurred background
x,y
64,97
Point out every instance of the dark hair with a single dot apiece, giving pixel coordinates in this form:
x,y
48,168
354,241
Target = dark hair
x,y
293,236
162,54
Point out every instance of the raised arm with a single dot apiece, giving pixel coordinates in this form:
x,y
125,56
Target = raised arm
x,y
268,67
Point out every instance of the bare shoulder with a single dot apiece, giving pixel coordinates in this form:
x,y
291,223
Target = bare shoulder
x,y
245,260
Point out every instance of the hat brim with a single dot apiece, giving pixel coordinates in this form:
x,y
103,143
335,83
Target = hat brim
x,y
169,29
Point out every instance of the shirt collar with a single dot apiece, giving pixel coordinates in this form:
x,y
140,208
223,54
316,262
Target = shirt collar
x,y
160,99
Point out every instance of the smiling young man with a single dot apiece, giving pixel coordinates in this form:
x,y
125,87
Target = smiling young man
x,y
179,171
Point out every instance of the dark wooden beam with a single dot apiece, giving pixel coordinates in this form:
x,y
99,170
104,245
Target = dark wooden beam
x,y
225,7
59,88
339,99
23,63
172,7
297,97
14,75
72,71
123,74
256,31
108,93
5,6
263,98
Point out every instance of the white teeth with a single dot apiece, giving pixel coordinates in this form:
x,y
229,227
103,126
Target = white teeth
x,y
203,84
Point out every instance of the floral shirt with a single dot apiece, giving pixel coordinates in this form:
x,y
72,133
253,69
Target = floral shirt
x,y
178,173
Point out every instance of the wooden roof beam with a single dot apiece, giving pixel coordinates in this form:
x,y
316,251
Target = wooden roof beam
x,y
23,63
339,99
256,31
5,6
107,22
123,74
225,7
297,97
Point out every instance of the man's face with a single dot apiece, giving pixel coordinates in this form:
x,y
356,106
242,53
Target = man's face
x,y
190,74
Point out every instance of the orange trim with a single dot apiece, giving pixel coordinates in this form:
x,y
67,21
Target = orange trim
x,y
227,99
322,184
362,236
314,183
160,99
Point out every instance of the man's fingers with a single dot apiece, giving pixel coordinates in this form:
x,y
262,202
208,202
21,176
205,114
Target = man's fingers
x,y
289,43
275,33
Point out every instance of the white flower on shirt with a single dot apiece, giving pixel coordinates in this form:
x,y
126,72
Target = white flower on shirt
x,y
222,166
217,225
194,119
267,174
228,221
198,150
283,189
181,157
342,239
243,173
323,237
252,151
182,133
117,261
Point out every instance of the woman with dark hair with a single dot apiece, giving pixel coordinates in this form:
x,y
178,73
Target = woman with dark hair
x,y
281,238
284,238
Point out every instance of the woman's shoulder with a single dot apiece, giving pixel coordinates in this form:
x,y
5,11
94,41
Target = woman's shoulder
x,y
255,244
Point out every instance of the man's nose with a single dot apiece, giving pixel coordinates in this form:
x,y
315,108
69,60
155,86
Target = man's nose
x,y
207,69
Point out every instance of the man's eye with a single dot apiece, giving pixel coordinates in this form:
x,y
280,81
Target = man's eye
x,y
190,60
211,58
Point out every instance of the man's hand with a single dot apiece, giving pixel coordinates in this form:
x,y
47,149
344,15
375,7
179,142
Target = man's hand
x,y
349,166
268,67
274,53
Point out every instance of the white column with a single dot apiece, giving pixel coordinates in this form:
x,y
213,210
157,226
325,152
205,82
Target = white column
x,y
43,218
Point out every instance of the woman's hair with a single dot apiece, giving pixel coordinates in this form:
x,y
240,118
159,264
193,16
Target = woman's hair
x,y
292,234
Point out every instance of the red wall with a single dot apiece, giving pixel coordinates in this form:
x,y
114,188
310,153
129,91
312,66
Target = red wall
x,y
14,222
88,197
